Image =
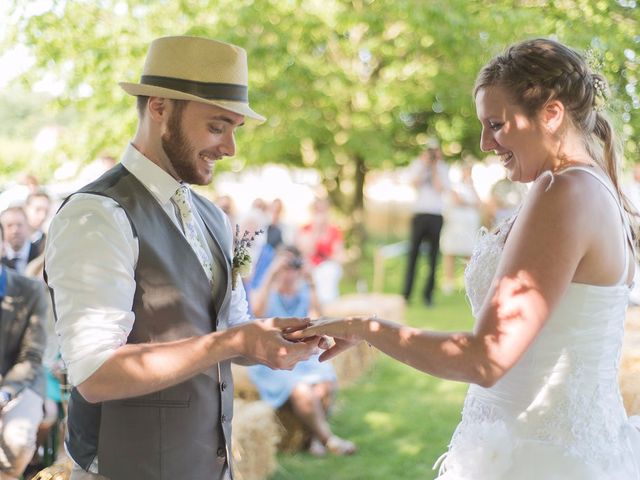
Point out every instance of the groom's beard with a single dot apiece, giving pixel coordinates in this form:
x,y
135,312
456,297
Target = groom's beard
x,y
180,152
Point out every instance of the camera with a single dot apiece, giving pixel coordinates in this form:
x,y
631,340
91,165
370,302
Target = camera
x,y
295,263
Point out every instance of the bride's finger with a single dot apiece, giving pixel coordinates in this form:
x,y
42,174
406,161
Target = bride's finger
x,y
330,353
301,334
336,349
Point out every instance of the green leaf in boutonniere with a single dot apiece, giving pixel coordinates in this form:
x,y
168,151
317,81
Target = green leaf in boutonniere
x,y
241,263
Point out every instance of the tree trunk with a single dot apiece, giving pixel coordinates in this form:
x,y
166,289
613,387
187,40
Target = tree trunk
x,y
358,232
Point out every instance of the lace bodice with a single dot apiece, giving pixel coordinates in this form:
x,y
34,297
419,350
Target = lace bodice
x,y
484,262
559,408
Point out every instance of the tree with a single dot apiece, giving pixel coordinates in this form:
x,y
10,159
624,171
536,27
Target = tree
x,y
347,86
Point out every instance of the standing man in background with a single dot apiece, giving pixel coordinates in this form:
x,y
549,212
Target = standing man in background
x,y
430,177
139,268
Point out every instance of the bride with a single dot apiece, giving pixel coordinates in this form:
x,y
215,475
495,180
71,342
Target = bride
x,y
548,289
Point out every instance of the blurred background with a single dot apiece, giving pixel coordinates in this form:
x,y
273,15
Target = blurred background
x,y
352,90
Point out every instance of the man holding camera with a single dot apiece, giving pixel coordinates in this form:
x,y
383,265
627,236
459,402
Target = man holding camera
x,y
430,177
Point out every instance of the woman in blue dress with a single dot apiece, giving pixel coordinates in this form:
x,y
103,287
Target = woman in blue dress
x,y
287,290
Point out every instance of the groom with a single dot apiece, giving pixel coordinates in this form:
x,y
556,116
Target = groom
x,y
139,268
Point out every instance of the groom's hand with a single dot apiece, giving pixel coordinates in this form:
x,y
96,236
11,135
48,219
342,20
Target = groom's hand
x,y
294,334
344,332
263,341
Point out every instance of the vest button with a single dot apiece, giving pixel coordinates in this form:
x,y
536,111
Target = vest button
x,y
221,452
223,386
223,418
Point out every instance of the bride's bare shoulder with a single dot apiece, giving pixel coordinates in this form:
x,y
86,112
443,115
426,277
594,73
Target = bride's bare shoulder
x,y
570,192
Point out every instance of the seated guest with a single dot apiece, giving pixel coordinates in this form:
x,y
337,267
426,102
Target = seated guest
x,y
22,343
275,236
18,249
38,208
277,230
322,245
54,370
288,291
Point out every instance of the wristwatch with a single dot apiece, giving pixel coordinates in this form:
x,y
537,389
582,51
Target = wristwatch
x,y
5,397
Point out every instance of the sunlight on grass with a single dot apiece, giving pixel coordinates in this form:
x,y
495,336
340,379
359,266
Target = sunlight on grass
x,y
379,421
409,447
450,389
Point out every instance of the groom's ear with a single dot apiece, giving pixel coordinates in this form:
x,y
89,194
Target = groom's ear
x,y
157,108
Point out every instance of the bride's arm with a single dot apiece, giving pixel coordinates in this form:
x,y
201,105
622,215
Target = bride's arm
x,y
553,233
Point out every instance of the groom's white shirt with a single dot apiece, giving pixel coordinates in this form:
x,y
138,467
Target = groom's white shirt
x,y
92,253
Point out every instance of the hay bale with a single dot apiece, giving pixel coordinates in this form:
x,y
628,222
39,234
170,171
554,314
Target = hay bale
x,y
244,388
629,375
387,306
293,434
255,438
57,471
296,436
351,364
632,325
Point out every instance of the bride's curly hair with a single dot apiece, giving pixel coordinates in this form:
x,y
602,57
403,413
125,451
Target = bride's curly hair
x,y
534,72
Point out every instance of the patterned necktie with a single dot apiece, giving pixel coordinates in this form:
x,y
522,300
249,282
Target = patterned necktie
x,y
181,200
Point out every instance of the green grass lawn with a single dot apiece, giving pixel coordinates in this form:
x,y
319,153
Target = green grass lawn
x,y
401,419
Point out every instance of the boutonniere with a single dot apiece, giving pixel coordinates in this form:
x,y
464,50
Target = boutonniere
x,y
241,263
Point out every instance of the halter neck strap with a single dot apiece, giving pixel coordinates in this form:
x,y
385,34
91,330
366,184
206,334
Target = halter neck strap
x,y
623,215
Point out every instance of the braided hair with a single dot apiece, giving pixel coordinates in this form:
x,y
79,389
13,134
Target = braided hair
x,y
534,72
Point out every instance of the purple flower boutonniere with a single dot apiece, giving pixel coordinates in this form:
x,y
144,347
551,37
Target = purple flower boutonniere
x,y
241,263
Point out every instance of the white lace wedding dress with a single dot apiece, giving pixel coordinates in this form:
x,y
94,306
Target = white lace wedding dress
x,y
558,413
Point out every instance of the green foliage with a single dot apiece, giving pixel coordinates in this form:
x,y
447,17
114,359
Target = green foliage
x,y
347,86
22,115
15,156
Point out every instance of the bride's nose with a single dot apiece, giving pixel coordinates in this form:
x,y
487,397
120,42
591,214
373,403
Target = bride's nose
x,y
487,142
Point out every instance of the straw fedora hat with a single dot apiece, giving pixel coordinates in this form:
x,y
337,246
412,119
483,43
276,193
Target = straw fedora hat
x,y
197,69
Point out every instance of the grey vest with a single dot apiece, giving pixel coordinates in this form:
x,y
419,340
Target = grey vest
x,y
183,431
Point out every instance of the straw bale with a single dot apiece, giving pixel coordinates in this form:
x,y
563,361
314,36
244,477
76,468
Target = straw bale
x,y
351,364
293,434
256,433
388,306
244,388
630,384
629,376
632,323
296,436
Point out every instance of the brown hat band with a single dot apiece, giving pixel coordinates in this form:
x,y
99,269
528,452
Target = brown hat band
x,y
210,91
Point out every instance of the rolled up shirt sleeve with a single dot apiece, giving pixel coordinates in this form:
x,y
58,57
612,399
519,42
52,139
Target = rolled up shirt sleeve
x,y
239,307
90,258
